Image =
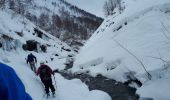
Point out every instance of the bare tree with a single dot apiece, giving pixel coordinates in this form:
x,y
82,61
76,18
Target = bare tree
x,y
2,3
110,5
106,9
161,59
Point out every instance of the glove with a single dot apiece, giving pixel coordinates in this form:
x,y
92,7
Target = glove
x,y
56,70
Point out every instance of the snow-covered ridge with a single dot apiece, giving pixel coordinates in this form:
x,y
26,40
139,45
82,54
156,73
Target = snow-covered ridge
x,y
57,17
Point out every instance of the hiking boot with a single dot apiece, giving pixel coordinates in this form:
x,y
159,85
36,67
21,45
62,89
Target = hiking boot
x,y
48,95
53,93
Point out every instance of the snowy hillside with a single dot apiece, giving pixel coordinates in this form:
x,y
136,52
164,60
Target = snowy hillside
x,y
57,17
16,34
127,42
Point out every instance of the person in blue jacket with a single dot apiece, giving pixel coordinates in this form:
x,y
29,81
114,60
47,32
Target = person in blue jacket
x,y
31,59
11,87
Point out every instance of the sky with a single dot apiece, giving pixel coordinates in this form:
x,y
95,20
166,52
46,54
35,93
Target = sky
x,y
92,6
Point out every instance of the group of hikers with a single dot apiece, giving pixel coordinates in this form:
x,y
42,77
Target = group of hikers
x,y
44,71
12,88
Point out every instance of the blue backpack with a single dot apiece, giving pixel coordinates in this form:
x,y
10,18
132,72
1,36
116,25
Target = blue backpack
x,y
11,87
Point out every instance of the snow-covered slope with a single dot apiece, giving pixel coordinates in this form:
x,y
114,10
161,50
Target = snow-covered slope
x,y
141,30
57,17
15,31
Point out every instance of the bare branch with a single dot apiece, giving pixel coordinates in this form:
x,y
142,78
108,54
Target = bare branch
x,y
165,29
160,58
148,75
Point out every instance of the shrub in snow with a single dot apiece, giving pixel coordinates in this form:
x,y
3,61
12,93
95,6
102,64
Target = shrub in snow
x,y
43,48
20,34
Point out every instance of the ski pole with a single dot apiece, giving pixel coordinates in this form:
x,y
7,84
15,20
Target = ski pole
x,y
55,81
56,88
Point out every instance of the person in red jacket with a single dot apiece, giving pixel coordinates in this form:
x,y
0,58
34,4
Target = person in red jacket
x,y
45,72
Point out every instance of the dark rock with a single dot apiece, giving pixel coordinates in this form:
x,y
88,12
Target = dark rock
x,y
39,33
31,45
65,49
56,55
0,45
119,28
43,48
125,23
70,55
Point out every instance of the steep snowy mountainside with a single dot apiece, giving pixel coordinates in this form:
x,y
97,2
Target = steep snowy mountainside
x,y
129,26
16,34
142,29
59,18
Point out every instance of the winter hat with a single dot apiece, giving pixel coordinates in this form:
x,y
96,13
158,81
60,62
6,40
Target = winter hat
x,y
41,62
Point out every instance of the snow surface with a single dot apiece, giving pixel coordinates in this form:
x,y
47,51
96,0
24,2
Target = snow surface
x,y
66,89
143,29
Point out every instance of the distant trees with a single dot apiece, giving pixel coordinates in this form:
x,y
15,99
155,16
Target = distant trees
x,y
44,21
2,3
110,5
69,24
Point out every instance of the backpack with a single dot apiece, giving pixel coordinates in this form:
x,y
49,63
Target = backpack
x,y
44,74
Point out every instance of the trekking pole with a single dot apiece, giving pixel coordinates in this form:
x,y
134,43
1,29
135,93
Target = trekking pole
x,y
55,81
56,88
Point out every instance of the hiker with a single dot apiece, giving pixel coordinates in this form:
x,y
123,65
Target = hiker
x,y
45,75
11,87
32,60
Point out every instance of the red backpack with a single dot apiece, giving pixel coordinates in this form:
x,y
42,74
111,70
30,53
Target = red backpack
x,y
44,73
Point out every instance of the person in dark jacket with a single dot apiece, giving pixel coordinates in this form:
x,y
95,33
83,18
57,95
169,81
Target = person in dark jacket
x,y
45,72
31,59
11,87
